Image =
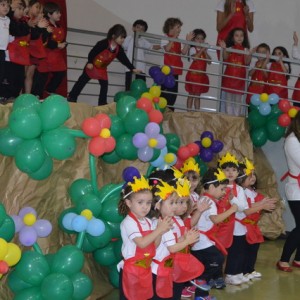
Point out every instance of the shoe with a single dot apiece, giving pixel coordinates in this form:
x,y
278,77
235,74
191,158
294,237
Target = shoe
x,y
249,276
257,274
243,278
284,269
211,283
206,298
219,283
186,293
192,289
200,284
233,279
296,264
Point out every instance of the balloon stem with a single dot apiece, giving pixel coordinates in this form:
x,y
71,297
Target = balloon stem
x,y
37,248
93,173
80,238
76,133
117,188
149,171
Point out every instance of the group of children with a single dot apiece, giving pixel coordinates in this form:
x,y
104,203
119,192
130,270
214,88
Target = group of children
x,y
31,48
176,241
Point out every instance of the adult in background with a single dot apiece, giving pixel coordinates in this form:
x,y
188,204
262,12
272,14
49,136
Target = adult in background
x,y
292,191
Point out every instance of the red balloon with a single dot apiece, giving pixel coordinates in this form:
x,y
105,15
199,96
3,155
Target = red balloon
x,y
194,149
110,144
183,153
91,127
105,121
179,163
144,104
284,120
155,116
284,105
3,267
97,146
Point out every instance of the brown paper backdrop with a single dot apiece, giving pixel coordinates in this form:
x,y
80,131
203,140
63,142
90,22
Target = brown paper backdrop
x,y
49,197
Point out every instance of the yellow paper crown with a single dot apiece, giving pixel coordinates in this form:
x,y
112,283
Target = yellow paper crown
x,y
177,174
249,166
220,175
227,158
190,165
139,184
183,188
164,190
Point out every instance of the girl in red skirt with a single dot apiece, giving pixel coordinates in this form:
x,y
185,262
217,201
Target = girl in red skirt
x,y
197,80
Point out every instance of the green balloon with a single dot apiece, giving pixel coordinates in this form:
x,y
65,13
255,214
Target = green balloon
x,y
111,158
57,286
172,140
87,247
119,95
30,156
259,136
110,210
105,256
7,228
27,101
25,123
125,148
83,286
54,112
138,87
202,165
61,216
111,189
125,105
44,171
274,131
79,188
16,284
117,246
136,121
253,107
256,120
102,240
117,126
32,268
115,229
8,142
91,202
32,293
68,260
113,276
275,112
156,154
59,144
3,214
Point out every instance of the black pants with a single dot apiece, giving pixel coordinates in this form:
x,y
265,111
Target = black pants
x,y
213,260
15,75
250,257
40,80
128,79
236,256
171,98
2,72
80,84
292,242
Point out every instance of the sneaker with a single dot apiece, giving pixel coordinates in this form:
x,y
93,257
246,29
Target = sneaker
x,y
256,274
233,279
186,293
192,289
249,276
220,283
211,283
243,278
200,284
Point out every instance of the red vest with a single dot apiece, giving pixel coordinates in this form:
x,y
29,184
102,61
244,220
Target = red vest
x,y
280,81
296,94
18,50
174,60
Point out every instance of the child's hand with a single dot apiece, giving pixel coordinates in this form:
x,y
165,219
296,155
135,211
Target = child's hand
x,y
203,204
234,207
192,236
42,23
49,29
295,38
165,224
253,50
222,44
190,36
89,66
269,204
62,45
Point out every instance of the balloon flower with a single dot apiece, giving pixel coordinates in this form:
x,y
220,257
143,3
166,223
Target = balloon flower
x,y
98,129
163,76
289,112
29,228
209,146
148,142
264,102
7,225
165,160
10,254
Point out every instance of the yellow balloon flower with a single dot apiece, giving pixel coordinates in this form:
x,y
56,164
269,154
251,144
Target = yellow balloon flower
x,y
264,97
87,214
147,95
162,102
155,91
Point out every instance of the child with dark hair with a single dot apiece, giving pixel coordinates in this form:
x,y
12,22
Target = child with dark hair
x,y
101,55
143,44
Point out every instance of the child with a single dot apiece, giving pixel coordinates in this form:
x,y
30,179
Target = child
x,y
139,237
102,54
165,199
296,55
4,33
208,249
257,202
236,252
54,62
172,28
280,76
233,81
38,30
197,79
259,74
138,26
